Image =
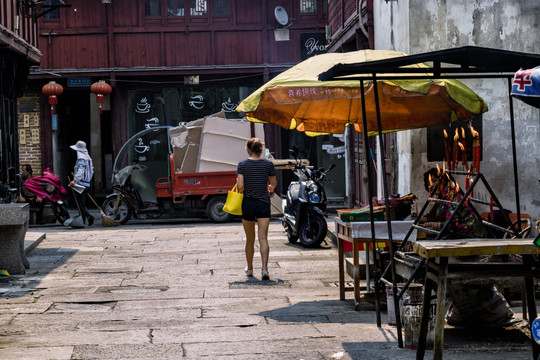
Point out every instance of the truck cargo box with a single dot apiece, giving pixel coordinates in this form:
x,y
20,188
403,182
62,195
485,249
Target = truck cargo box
x,y
211,144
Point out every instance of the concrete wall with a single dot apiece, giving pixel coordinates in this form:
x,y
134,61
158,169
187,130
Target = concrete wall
x,y
391,28
417,26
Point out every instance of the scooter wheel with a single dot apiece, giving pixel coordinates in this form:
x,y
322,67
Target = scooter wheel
x,y
313,234
122,214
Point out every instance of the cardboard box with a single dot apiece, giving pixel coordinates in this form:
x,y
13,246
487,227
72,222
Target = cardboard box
x,y
211,144
185,141
223,143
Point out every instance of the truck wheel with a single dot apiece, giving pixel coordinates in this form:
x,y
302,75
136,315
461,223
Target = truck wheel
x,y
314,234
122,214
214,209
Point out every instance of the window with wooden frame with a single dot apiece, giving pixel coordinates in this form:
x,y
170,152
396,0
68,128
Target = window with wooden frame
x,y
221,7
308,6
152,7
175,7
198,8
53,14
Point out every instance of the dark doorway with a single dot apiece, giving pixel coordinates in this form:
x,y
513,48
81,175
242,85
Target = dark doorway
x,y
73,125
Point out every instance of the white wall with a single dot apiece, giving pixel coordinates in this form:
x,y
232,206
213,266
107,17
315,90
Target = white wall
x,y
392,33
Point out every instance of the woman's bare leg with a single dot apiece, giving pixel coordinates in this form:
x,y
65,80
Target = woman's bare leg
x,y
249,229
263,225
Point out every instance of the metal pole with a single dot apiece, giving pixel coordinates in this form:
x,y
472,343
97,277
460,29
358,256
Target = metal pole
x,y
370,192
514,154
388,220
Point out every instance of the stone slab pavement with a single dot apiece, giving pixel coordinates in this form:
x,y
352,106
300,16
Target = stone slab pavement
x,y
177,290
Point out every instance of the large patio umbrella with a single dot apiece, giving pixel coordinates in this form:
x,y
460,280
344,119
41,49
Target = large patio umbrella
x,y
296,99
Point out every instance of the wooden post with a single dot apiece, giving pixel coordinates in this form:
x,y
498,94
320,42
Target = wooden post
x,y
440,309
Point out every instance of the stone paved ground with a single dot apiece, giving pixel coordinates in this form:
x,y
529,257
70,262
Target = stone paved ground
x,y
177,291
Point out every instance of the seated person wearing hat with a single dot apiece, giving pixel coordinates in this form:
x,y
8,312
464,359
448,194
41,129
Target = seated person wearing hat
x,y
28,196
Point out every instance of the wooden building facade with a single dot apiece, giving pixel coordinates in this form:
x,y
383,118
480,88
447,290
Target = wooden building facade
x,y
18,51
168,62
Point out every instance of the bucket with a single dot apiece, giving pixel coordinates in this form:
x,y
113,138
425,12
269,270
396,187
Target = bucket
x,y
413,295
411,318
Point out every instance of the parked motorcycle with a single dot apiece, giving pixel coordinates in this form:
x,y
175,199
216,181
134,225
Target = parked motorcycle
x,y
305,204
49,188
125,201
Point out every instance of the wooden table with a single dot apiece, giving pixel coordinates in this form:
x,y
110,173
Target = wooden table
x,y
358,233
438,272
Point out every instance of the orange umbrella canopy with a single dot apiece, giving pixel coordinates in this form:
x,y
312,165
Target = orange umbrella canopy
x,y
296,99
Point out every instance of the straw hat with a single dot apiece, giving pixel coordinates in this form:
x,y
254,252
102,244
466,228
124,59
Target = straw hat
x,y
79,146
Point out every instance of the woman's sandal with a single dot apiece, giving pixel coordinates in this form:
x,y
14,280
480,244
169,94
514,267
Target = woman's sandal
x,y
248,272
265,275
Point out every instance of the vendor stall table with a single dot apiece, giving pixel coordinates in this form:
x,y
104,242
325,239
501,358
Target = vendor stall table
x,y
358,233
438,272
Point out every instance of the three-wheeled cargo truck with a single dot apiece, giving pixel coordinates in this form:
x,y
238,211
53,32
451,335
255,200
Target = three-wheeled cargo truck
x,y
179,195
163,171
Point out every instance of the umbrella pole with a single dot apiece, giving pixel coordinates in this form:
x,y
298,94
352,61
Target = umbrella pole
x,y
388,219
370,192
514,153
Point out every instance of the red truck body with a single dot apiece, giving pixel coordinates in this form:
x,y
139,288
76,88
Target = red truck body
x,y
194,184
202,191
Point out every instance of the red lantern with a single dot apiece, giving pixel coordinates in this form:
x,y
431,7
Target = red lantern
x,y
101,88
52,90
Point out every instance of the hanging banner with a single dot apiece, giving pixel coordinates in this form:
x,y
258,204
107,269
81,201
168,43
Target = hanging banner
x,y
526,86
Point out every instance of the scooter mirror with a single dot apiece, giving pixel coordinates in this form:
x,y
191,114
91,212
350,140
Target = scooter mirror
x,y
293,152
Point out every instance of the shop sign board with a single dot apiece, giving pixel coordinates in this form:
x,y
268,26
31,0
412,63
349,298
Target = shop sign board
x,y
312,44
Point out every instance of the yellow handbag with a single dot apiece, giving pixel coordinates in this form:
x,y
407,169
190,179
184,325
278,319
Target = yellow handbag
x,y
233,205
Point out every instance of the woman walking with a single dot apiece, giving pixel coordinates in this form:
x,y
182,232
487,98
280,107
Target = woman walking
x,y
257,180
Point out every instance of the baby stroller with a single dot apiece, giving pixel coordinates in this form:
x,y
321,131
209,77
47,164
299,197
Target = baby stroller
x,y
49,188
